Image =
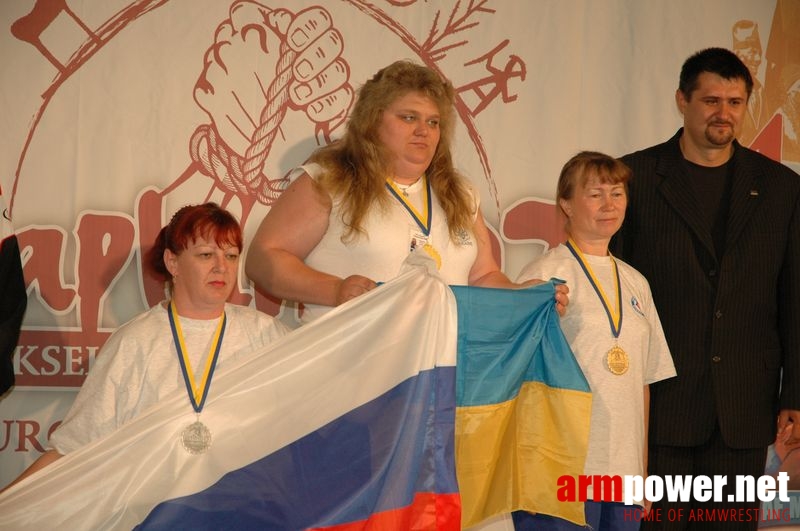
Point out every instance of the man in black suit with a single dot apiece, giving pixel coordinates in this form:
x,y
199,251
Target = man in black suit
x,y
715,228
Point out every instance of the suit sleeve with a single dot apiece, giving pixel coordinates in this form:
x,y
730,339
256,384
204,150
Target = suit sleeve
x,y
789,315
12,308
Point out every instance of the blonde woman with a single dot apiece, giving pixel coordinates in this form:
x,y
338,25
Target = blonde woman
x,y
359,206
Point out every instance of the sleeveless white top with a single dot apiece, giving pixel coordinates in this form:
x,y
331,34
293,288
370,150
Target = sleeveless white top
x,y
379,254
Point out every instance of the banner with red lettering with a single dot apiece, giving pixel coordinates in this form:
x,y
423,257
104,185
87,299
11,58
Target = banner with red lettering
x,y
117,112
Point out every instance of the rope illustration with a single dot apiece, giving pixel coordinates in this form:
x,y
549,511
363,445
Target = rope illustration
x,y
245,175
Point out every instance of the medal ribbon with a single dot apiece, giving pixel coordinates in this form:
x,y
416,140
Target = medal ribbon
x,y
614,313
197,394
423,219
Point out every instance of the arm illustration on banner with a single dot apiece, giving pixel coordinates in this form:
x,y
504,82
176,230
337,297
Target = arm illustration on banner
x,y
262,63
247,108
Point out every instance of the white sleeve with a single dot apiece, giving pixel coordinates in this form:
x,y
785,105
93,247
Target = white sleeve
x,y
531,271
93,414
313,170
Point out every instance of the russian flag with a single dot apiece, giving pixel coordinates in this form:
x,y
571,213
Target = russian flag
x,y
347,423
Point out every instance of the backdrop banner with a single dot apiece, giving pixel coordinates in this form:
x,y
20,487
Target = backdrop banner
x,y
115,113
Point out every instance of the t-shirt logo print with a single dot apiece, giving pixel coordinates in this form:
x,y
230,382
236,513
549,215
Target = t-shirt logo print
x,y
636,306
463,237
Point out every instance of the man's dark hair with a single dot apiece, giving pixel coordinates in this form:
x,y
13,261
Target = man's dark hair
x,y
720,61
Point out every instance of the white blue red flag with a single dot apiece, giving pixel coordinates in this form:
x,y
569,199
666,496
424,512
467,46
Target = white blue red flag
x,y
347,423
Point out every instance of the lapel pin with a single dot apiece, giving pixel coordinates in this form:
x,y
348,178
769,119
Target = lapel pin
x,y
754,193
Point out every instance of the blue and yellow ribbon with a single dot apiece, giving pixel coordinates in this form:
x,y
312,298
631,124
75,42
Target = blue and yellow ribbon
x,y
614,313
422,219
197,393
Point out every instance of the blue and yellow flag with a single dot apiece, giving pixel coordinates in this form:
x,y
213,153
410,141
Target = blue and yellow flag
x,y
522,405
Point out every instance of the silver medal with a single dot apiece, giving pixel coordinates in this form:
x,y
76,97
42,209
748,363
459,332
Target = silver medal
x,y
196,438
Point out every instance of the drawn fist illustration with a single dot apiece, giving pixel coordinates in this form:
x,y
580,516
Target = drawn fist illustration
x,y
264,62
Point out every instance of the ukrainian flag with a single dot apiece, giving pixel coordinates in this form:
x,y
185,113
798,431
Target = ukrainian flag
x,y
522,405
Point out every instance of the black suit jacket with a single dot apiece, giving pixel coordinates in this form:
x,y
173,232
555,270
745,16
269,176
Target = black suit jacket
x,y
13,301
732,324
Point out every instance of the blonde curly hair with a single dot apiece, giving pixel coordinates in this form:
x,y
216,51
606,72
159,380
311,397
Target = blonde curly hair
x,y
356,166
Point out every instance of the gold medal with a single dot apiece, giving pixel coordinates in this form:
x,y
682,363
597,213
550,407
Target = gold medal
x,y
617,361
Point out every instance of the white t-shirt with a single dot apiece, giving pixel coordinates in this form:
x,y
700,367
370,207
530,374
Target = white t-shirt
x,y
616,434
138,366
379,254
